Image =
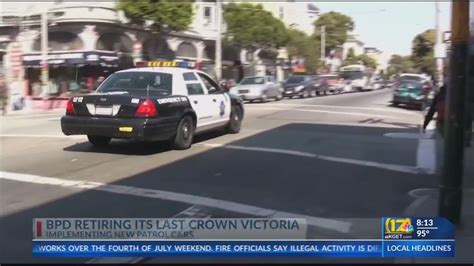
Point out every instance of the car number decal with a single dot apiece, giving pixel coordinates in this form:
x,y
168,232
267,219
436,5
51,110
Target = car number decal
x,y
172,100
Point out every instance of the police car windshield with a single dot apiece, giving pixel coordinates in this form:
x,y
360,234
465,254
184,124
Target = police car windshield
x,y
253,80
132,81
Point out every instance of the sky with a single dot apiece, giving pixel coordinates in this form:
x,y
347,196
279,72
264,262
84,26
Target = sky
x,y
393,29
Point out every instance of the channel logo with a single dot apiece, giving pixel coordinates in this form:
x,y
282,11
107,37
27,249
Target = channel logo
x,y
398,228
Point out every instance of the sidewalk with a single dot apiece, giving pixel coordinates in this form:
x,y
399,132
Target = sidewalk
x,y
428,206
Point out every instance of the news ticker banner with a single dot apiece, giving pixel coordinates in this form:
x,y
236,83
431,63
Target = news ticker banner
x,y
325,249
401,237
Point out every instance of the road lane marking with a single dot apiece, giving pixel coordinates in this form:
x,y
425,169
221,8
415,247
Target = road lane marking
x,y
404,135
191,212
270,150
326,223
344,113
391,167
26,116
41,136
332,106
329,112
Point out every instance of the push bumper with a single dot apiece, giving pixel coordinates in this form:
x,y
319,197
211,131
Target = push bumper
x,y
142,129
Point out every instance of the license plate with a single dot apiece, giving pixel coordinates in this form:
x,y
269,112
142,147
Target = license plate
x,y
287,92
243,91
103,110
126,129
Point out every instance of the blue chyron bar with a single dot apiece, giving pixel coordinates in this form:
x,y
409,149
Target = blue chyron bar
x,y
402,237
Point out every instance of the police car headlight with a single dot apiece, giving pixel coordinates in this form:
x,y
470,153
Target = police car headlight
x,y
299,88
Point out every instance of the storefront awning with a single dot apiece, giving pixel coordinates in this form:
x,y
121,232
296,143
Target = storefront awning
x,y
55,59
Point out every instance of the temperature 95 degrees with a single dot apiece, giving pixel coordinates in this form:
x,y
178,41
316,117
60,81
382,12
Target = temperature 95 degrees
x,y
422,233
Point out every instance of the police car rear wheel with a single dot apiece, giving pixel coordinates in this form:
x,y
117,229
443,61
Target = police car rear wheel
x,y
184,134
98,141
235,120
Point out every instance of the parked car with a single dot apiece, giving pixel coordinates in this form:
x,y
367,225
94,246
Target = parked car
x,y
261,88
299,85
329,83
377,83
410,93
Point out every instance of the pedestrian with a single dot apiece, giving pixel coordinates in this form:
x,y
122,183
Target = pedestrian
x,y
437,106
99,81
3,94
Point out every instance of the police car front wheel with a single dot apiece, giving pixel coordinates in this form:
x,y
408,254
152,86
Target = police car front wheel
x,y
99,141
184,134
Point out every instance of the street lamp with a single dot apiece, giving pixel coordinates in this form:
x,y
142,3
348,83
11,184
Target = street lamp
x,y
218,56
44,52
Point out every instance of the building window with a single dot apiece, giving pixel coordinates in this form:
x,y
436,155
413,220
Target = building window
x,y
282,12
207,13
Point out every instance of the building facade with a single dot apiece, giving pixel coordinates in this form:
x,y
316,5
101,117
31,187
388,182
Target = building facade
x,y
299,15
87,41
380,57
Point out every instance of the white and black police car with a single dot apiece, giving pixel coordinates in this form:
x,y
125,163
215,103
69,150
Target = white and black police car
x,y
159,100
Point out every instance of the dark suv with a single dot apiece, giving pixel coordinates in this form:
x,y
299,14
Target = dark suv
x,y
299,85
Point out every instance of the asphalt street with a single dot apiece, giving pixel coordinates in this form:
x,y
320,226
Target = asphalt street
x,y
341,161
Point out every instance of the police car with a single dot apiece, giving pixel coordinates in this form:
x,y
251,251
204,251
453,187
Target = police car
x,y
159,101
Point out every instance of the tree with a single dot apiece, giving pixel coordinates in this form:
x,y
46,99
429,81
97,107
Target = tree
x,y
337,27
351,58
301,45
423,51
399,64
251,27
164,15
367,61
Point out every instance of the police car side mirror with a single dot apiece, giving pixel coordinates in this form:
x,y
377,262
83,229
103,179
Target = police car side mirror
x,y
214,90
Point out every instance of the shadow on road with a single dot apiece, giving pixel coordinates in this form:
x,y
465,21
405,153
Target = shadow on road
x,y
129,147
282,182
382,121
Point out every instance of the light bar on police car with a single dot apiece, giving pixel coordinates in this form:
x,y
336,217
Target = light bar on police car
x,y
181,64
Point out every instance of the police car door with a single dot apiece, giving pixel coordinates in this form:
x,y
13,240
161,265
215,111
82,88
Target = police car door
x,y
200,100
220,101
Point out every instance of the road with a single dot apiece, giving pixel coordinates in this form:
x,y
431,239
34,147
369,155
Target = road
x,y
341,161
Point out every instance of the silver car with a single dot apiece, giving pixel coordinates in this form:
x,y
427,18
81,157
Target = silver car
x,y
260,88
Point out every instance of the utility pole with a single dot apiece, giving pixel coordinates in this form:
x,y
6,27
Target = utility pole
x,y
440,48
218,57
450,201
44,52
323,43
